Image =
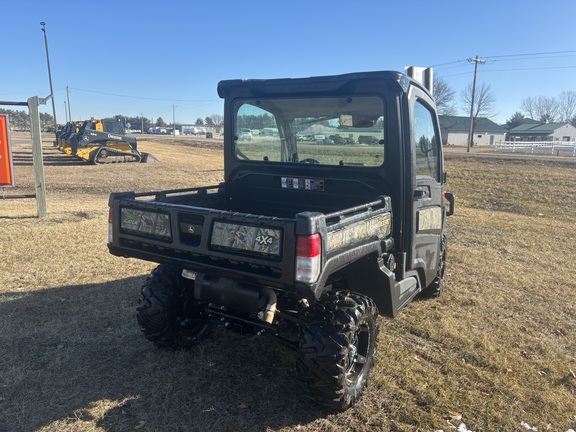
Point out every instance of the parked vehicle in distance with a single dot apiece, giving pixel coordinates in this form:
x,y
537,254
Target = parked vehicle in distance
x,y
244,134
367,139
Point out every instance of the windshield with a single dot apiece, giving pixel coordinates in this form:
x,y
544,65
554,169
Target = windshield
x,y
327,131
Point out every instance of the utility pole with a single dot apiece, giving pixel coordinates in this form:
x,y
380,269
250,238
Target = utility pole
x,y
65,112
141,122
173,119
43,24
476,60
68,97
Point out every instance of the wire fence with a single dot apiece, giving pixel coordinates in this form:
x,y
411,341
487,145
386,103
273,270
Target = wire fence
x,y
558,148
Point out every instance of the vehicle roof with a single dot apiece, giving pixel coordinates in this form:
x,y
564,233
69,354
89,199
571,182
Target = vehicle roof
x,y
331,84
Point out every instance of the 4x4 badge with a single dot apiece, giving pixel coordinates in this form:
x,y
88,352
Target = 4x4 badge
x,y
264,240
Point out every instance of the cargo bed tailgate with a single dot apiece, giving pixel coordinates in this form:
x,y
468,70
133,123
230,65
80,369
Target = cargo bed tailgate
x,y
232,244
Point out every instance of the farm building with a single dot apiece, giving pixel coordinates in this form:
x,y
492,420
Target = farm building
x,y
543,132
455,131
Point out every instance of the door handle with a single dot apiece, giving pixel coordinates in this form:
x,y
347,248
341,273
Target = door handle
x,y
422,192
452,201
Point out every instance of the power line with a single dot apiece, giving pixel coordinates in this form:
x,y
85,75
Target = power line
x,y
532,54
533,58
535,68
511,57
448,63
144,97
514,70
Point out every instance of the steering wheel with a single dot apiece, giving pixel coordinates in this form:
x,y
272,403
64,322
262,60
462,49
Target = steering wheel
x,y
309,161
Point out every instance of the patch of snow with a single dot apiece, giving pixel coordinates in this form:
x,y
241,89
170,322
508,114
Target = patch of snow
x,y
528,427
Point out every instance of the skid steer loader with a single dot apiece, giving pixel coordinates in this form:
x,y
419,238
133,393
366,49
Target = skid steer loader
x,y
105,141
63,136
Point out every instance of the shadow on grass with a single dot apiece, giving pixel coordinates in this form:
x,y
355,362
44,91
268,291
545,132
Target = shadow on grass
x,y
73,358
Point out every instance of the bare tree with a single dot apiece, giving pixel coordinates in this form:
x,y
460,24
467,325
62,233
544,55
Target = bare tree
x,y
484,100
444,97
216,120
547,109
541,108
528,105
567,105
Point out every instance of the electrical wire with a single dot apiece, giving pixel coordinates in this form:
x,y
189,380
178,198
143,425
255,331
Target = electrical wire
x,y
144,97
532,54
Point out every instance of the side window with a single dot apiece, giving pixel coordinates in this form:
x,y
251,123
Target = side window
x,y
426,140
257,135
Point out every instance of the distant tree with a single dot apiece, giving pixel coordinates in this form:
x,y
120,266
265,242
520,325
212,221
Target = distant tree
x,y
484,100
567,106
528,105
199,121
515,120
444,97
160,122
217,121
257,121
18,119
133,123
137,123
547,109
541,108
46,120
144,124
208,121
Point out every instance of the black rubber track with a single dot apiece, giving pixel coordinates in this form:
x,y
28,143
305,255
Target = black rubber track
x,y
337,349
167,313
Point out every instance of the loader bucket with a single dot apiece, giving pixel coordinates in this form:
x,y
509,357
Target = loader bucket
x,y
148,158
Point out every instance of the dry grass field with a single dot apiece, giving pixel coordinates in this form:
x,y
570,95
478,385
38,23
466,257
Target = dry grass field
x,y
495,353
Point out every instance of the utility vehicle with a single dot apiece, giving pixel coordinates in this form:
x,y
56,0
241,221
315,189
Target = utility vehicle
x,y
305,242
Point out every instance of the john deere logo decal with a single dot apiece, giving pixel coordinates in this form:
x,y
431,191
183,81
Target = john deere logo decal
x,y
264,240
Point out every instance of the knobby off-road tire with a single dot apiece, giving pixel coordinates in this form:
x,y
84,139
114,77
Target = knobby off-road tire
x,y
438,285
167,312
337,349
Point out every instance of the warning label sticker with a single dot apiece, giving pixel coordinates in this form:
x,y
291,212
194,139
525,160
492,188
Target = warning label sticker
x,y
302,184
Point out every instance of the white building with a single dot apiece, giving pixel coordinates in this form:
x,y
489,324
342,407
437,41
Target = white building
x,y
455,130
543,132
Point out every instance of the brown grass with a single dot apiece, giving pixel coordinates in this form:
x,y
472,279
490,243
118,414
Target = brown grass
x,y
496,350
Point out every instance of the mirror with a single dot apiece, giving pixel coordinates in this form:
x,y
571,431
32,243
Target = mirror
x,y
358,121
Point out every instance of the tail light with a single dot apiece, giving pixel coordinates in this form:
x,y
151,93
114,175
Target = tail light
x,y
308,258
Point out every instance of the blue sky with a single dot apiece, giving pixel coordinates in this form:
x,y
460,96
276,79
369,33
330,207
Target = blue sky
x,y
146,57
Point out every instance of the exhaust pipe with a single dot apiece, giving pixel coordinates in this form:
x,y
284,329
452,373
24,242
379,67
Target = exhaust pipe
x,y
271,306
237,296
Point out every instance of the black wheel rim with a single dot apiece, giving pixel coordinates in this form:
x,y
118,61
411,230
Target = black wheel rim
x,y
358,354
